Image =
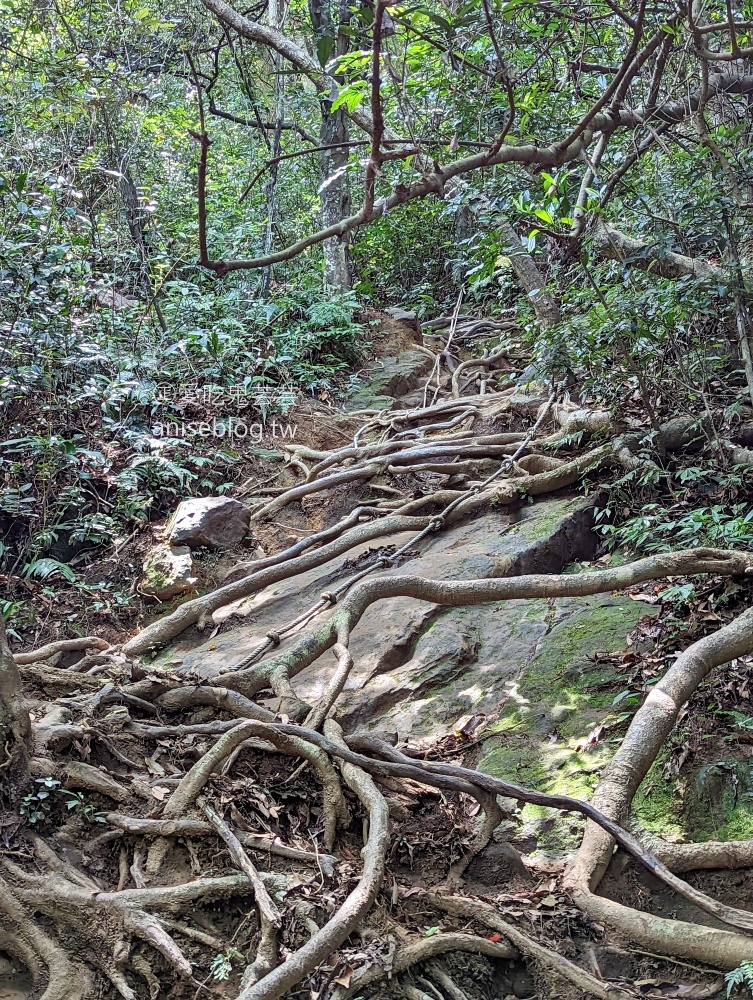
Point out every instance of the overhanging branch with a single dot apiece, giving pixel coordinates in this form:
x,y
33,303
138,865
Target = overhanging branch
x,y
599,121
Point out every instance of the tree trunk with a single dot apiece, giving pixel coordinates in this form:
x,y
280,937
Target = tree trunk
x,y
15,730
335,195
334,190
544,303
614,245
276,14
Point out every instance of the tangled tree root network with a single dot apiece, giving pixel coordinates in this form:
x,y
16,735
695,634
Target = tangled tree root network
x,y
143,925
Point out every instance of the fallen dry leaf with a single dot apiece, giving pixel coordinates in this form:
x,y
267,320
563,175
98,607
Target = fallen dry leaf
x,y
344,978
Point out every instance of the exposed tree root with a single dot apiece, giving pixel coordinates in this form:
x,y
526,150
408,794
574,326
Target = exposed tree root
x,y
15,726
46,960
197,828
493,813
217,697
334,687
431,773
195,611
61,646
650,726
423,951
107,923
357,904
619,782
269,915
164,629
475,909
103,922
449,986
693,857
464,592
717,948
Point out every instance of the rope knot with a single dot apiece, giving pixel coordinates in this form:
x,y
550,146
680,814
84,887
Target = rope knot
x,y
436,523
274,637
329,597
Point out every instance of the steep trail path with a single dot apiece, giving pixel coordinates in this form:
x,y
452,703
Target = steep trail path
x,y
275,764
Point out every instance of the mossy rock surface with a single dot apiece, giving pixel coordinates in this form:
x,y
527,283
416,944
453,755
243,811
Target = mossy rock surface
x,y
417,667
709,799
388,379
547,737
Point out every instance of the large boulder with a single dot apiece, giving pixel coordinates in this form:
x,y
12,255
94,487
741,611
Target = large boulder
x,y
387,379
168,572
407,316
431,665
213,522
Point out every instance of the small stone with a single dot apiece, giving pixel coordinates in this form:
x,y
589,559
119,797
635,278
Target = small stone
x,y
168,572
558,713
213,522
402,315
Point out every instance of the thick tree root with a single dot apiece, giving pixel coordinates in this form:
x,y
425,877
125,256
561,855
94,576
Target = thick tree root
x,y
159,633
619,782
423,951
162,631
358,903
46,960
493,814
107,921
61,646
269,916
694,857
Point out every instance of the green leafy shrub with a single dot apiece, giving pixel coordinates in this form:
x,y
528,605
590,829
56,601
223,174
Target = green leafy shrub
x,y
655,531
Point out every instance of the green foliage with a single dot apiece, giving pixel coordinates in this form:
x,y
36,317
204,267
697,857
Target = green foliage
x,y
221,965
104,311
741,976
653,531
38,804
314,337
43,569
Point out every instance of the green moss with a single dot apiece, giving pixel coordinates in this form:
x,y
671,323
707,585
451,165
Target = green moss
x,y
538,522
155,577
686,807
739,826
656,804
561,669
519,762
564,691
